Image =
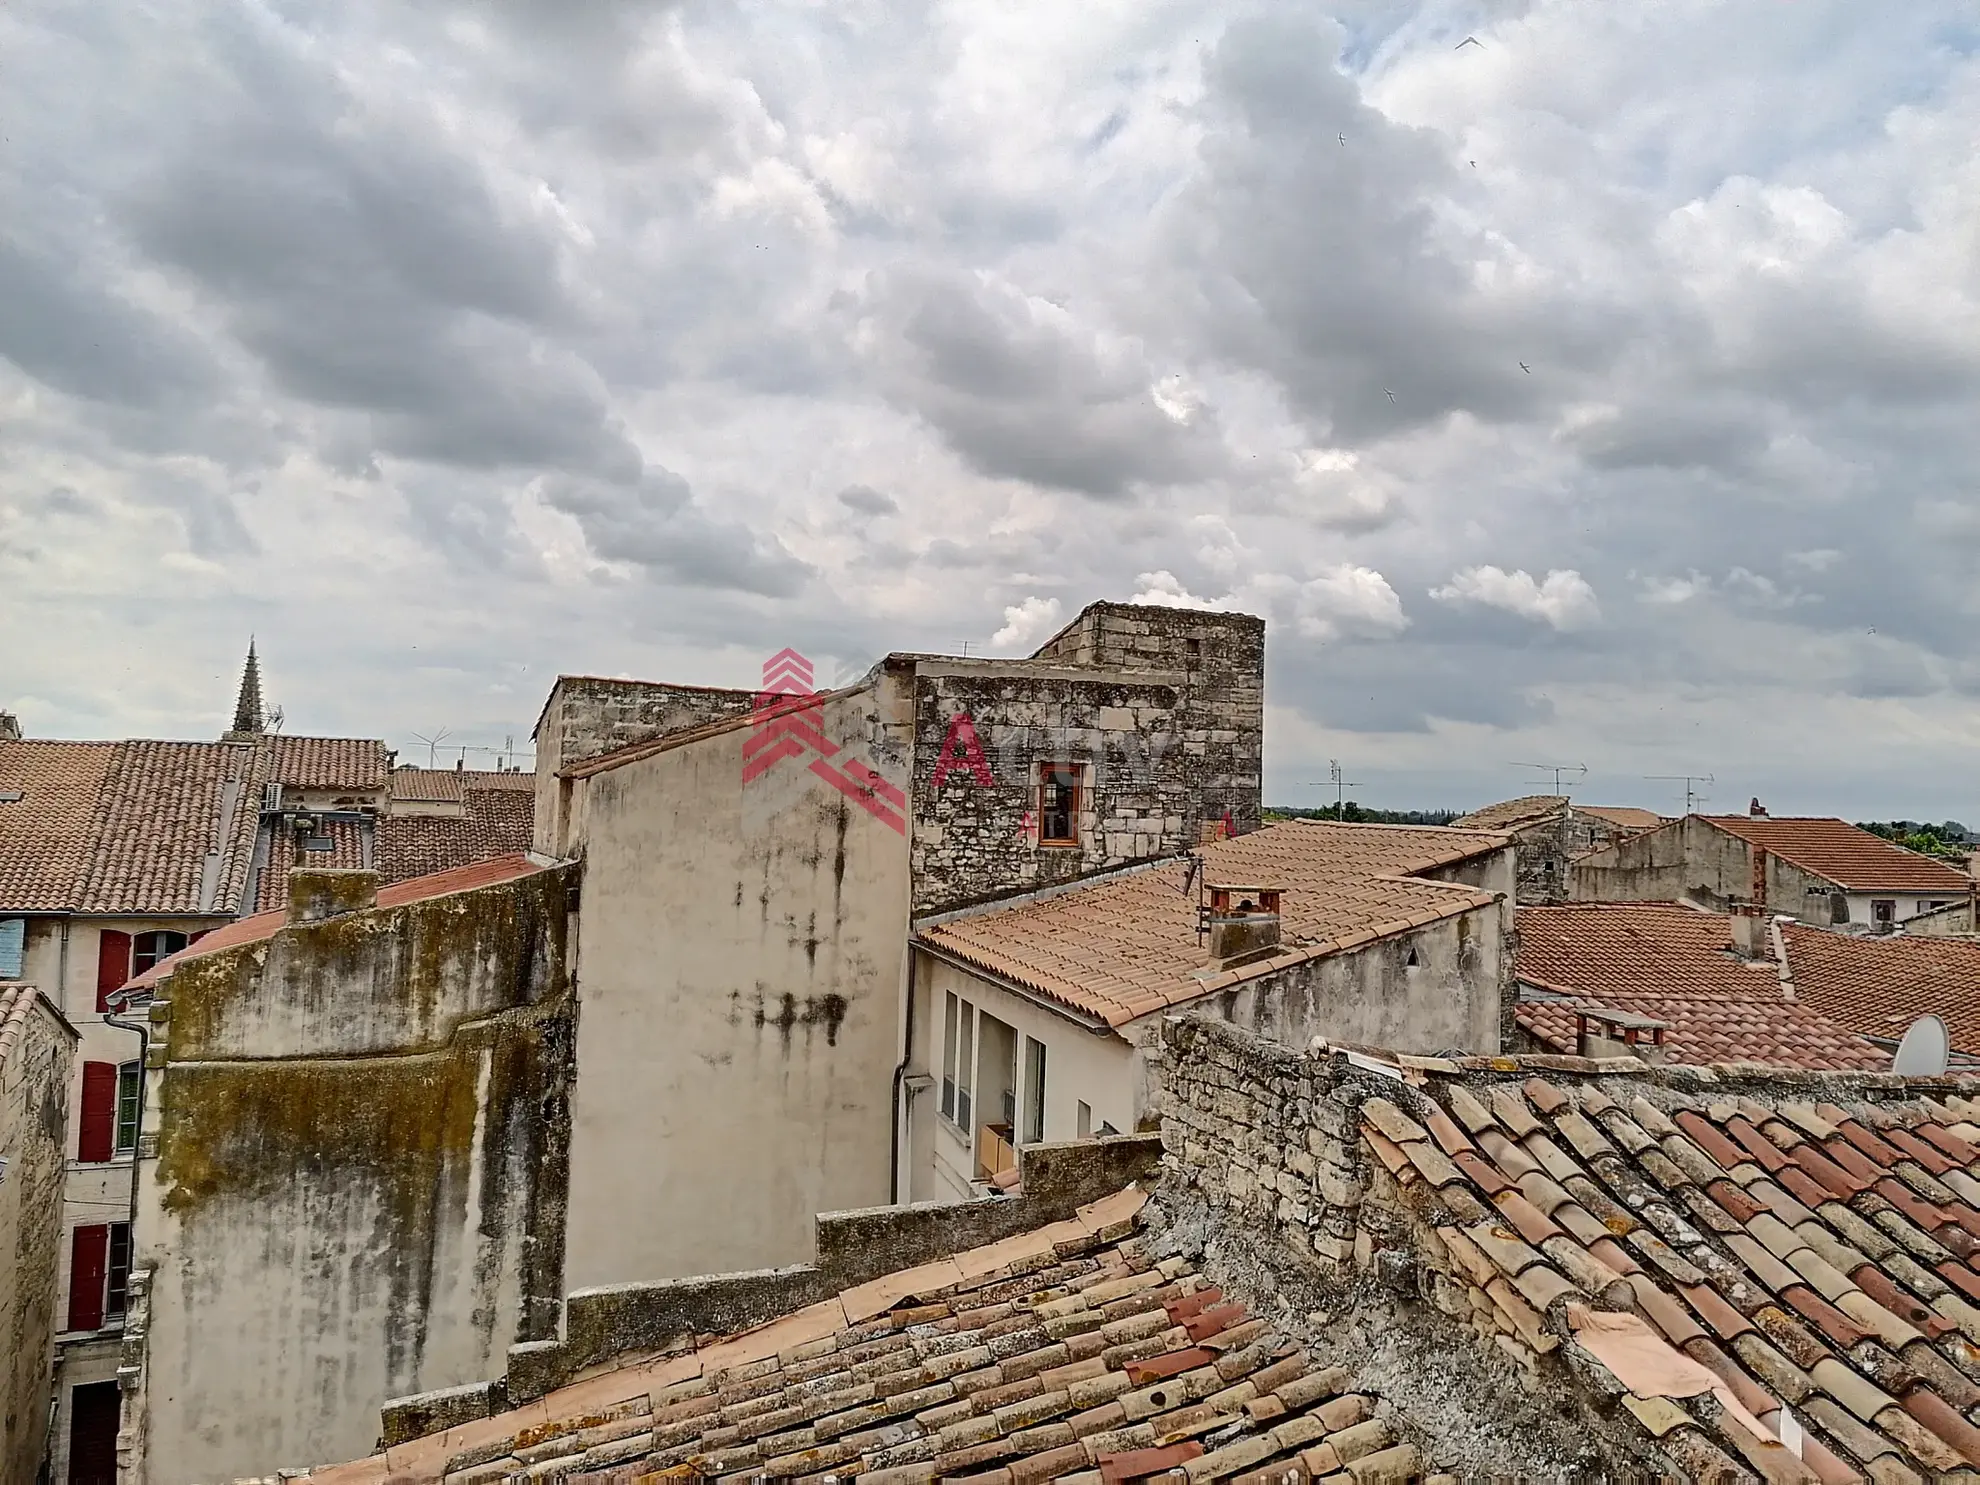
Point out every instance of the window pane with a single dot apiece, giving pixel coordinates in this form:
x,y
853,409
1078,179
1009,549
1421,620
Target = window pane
x,y
949,1054
1034,1091
127,1106
117,1283
1085,1125
1058,803
965,1062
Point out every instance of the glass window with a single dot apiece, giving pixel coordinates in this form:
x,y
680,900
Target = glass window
x,y
117,1279
13,947
1034,1091
949,1055
1058,804
1883,909
148,948
965,1060
1085,1124
129,1081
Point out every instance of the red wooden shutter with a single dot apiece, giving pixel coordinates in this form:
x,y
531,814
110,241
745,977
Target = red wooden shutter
x,y
89,1253
113,965
99,1111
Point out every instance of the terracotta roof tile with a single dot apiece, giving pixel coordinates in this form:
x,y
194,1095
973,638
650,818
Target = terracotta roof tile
x,y
1879,986
1676,965
359,764
1126,945
1850,1307
1837,851
45,834
886,1399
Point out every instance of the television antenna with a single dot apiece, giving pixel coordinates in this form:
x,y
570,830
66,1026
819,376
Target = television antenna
x,y
1579,770
1691,794
433,744
1338,781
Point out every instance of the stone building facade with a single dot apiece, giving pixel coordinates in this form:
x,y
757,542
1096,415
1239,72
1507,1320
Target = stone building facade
x,y
1155,715
37,1045
352,1170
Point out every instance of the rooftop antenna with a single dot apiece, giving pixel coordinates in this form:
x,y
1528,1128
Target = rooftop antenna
x,y
432,744
1691,795
1579,770
1338,782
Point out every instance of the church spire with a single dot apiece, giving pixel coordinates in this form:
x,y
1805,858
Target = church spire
x,y
249,717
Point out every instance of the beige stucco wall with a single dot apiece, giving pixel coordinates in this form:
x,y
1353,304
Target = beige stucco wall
x,y
358,1177
34,1072
739,980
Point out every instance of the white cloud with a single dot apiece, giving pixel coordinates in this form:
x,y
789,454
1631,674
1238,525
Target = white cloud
x,y
1563,600
1348,599
1164,590
1028,623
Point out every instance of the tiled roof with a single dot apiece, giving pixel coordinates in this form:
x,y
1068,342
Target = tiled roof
x,y
264,925
1675,965
17,1003
165,807
1510,812
1064,1353
1816,1244
1622,816
497,821
445,785
356,763
45,834
1853,859
1878,986
283,850
1126,945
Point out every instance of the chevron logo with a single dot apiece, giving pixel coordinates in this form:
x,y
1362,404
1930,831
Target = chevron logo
x,y
788,722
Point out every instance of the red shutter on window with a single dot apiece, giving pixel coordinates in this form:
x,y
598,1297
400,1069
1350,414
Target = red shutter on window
x,y
99,1111
89,1254
113,965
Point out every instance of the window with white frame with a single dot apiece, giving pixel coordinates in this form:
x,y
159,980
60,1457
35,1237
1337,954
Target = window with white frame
x,y
1034,1092
958,1058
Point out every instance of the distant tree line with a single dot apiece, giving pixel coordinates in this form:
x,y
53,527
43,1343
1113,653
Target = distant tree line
x,y
1949,841
1355,814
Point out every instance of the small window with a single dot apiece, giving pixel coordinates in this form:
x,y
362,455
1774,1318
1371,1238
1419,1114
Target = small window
x,y
129,1081
318,843
965,1060
1034,1091
1193,649
117,1280
949,1003
1084,1128
1058,804
148,948
13,947
1883,910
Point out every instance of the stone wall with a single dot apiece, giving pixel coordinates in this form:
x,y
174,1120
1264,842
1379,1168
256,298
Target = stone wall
x,y
36,1049
1162,710
353,1169
1264,1166
588,716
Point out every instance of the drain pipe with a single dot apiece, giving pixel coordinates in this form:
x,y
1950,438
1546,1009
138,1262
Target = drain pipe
x,y
900,1077
143,1033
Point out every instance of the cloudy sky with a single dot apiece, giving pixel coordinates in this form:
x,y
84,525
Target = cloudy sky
x,y
1606,392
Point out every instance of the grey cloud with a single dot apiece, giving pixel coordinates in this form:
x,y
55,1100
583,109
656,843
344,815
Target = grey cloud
x,y
1023,391
1672,436
655,523
59,324
867,501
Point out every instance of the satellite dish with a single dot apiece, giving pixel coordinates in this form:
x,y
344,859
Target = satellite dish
x,y
1924,1050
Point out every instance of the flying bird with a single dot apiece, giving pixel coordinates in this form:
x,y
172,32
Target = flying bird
x,y
1525,368
1468,41
1392,395
1344,139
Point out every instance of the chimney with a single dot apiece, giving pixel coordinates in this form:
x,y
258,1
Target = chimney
x,y
1600,1032
1757,809
10,727
318,892
1750,939
1244,924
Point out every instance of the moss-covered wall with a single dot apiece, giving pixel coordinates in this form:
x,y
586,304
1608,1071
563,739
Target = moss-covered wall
x,y
361,1161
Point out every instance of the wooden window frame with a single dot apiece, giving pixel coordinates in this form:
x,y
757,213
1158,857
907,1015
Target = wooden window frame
x,y
1049,775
